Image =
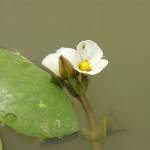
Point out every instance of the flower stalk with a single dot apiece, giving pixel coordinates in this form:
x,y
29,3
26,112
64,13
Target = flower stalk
x,y
89,112
91,119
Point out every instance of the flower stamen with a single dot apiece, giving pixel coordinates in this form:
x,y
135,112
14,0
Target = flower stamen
x,y
85,65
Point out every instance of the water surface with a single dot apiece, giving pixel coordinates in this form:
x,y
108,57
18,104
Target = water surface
x,y
36,28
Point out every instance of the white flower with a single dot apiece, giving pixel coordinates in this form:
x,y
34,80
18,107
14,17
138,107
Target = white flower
x,y
51,61
91,59
87,59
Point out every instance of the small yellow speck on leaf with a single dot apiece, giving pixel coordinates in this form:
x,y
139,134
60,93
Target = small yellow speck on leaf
x,y
42,105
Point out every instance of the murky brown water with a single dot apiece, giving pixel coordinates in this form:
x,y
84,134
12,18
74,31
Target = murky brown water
x,y
37,27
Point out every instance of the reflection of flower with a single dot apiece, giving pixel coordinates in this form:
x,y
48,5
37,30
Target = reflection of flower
x,y
87,59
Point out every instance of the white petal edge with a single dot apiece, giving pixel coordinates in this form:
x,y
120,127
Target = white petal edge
x,y
70,54
51,62
97,68
89,50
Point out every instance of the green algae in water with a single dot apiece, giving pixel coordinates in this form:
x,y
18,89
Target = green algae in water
x,y
30,102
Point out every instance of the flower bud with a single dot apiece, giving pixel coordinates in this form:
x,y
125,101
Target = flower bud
x,y
65,68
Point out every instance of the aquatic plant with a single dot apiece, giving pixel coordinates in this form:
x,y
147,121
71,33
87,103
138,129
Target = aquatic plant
x,y
33,101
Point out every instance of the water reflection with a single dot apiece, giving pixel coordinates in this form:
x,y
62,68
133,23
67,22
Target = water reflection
x,y
11,139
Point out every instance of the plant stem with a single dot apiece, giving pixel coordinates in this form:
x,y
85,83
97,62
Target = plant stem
x,y
89,112
91,119
96,146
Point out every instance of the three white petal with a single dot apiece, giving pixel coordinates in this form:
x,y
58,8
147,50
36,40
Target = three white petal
x,y
86,50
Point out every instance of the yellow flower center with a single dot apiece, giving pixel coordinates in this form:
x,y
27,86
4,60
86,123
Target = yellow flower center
x,y
85,65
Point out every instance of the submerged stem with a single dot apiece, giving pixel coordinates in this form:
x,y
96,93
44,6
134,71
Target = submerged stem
x,y
91,119
89,112
96,146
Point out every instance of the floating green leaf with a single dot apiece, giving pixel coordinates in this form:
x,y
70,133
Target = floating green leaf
x,y
1,145
30,102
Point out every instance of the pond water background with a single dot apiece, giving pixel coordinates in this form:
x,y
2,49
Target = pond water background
x,y
121,27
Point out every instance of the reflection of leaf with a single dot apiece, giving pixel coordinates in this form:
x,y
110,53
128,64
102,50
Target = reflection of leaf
x,y
1,146
30,102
